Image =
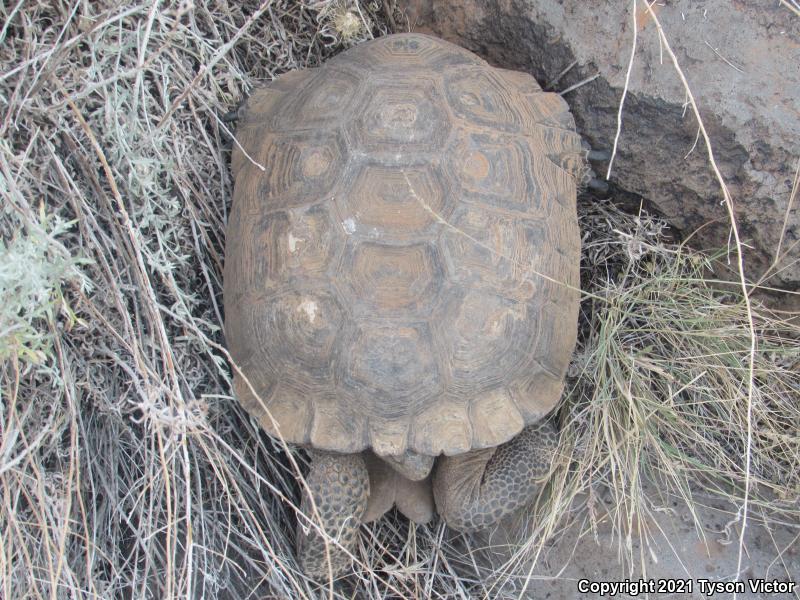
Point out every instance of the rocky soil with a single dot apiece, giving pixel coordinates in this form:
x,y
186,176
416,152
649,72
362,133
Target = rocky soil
x,y
697,546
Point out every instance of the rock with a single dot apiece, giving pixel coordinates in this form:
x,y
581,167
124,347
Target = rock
x,y
742,62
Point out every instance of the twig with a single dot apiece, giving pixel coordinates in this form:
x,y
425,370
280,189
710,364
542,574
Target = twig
x,y
558,77
581,83
624,90
221,53
725,60
792,7
792,196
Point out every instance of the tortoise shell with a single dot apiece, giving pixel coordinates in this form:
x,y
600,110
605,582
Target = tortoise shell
x,y
402,253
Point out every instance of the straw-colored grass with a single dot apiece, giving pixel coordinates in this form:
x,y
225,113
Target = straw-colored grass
x,y
126,467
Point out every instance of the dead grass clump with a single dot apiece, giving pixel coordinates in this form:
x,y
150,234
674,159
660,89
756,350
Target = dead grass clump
x,y
663,375
126,468
346,21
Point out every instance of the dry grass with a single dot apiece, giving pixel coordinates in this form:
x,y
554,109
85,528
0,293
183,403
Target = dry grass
x,y
126,468
662,376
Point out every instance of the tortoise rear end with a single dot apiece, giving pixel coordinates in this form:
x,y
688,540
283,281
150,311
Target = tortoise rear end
x,y
401,282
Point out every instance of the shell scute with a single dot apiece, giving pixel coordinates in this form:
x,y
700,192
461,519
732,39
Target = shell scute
x,y
401,115
400,205
391,281
303,168
403,51
490,250
485,339
325,100
391,369
478,96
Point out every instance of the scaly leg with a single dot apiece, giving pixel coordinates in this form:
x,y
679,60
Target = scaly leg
x,y
477,489
339,485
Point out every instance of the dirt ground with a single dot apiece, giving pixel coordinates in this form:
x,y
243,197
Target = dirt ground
x,y
675,549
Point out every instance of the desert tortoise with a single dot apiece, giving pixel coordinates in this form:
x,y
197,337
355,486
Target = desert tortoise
x,y
401,282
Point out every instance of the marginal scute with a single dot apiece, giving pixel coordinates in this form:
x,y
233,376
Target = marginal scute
x,y
247,139
562,266
291,80
250,356
253,257
495,418
549,109
443,428
388,437
558,330
559,234
520,81
555,175
267,100
286,415
324,101
256,117
404,51
255,393
563,148
536,393
336,427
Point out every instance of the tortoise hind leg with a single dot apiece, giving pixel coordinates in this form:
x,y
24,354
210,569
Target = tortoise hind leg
x,y
339,484
477,489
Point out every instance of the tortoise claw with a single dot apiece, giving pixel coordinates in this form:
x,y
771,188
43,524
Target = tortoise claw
x,y
230,116
595,155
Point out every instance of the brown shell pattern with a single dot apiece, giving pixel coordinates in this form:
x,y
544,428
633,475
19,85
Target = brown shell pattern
x,y
402,272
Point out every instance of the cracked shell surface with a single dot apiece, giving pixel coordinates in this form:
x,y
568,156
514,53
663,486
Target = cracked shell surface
x,y
402,252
